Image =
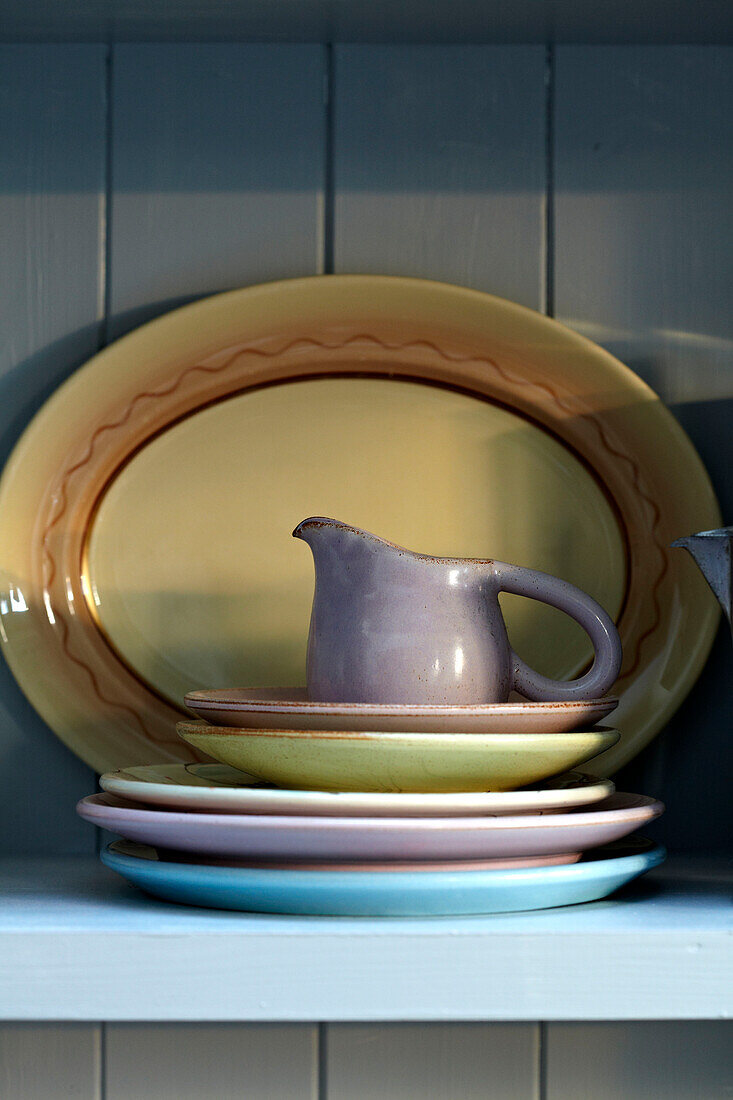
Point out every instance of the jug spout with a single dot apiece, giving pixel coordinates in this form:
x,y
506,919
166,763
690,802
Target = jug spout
x,y
712,551
338,548
317,528
328,537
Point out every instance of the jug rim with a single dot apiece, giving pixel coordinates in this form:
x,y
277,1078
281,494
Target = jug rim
x,y
369,536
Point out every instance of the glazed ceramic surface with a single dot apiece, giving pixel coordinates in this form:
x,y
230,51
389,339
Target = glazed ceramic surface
x,y
352,838
400,894
713,553
348,761
145,548
216,787
392,626
290,708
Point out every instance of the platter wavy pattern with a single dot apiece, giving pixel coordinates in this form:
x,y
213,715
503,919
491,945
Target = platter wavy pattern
x,y
140,725
356,340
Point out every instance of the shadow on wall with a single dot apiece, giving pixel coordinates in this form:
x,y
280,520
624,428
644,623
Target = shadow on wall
x,y
689,765
26,386
709,425
43,780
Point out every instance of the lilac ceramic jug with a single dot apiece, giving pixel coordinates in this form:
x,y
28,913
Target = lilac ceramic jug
x,y
391,626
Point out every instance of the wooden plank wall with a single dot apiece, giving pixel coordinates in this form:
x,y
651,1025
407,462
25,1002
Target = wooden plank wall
x,y
687,1060
439,165
217,164
591,181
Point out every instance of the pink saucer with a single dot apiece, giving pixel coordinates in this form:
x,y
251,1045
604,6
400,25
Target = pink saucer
x,y
562,859
290,708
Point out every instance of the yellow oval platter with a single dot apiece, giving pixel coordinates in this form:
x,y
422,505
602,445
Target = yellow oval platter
x,y
145,545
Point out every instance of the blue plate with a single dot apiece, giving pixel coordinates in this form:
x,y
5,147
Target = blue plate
x,y
383,893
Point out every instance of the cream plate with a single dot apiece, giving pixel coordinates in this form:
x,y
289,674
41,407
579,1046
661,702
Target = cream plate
x,y
220,789
345,760
145,544
290,708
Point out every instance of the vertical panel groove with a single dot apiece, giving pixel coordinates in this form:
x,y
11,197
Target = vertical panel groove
x,y
541,1061
548,272
102,1058
105,247
106,227
328,161
322,1090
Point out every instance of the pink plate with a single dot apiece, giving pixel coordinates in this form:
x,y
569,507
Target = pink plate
x,y
255,837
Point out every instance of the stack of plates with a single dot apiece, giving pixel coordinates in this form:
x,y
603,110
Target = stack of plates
x,y
353,809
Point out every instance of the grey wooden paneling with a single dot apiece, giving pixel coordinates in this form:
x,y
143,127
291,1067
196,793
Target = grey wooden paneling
x,y
644,265
222,1061
439,165
356,21
435,1061
50,1062
52,156
217,168
677,1060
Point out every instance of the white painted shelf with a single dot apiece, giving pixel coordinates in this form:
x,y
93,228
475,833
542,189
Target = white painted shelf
x,y
77,943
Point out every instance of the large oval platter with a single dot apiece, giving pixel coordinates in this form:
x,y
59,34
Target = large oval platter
x,y
145,542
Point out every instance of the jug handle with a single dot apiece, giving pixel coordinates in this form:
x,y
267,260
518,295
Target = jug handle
x,y
597,624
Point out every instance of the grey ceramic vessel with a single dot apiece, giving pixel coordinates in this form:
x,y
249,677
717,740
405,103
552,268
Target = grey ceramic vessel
x,y
713,553
392,626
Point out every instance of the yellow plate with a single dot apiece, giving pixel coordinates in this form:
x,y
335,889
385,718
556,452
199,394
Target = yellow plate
x,y
330,760
146,512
